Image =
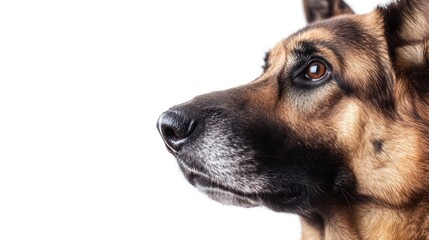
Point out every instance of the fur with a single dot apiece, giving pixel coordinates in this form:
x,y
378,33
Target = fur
x,y
348,152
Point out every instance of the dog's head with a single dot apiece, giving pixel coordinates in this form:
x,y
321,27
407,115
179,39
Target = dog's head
x,y
340,114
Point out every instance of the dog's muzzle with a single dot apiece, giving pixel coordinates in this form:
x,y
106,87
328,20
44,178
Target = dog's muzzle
x,y
233,151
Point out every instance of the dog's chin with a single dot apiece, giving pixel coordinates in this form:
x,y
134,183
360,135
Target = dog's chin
x,y
220,193
226,197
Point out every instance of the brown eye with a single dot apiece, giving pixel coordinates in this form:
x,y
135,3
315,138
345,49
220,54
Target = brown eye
x,y
315,71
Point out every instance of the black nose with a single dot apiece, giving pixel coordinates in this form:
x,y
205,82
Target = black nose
x,y
175,129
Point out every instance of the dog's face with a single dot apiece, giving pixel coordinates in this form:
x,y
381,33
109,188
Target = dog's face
x,y
331,120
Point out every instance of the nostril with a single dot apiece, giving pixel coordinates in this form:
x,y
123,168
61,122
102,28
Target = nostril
x,y
175,129
174,133
169,132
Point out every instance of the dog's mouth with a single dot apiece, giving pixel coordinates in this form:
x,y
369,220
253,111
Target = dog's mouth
x,y
215,190
287,198
223,194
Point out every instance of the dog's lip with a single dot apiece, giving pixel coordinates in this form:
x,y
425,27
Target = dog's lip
x,y
189,170
206,183
289,197
220,192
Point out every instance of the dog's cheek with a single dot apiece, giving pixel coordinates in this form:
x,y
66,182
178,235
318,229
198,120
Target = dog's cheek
x,y
382,154
392,174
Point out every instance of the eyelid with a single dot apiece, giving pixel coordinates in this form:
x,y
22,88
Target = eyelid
x,y
299,68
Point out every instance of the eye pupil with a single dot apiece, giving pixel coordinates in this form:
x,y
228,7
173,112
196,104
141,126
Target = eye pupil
x,y
316,70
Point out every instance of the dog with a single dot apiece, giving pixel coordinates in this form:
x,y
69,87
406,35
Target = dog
x,y
336,128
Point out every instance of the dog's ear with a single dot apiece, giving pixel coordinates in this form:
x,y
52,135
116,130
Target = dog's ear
x,y
322,9
406,24
406,21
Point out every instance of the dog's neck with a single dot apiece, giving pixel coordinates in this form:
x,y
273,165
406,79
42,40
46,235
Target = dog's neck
x,y
369,221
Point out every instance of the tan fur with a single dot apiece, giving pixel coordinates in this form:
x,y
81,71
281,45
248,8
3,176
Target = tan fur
x,y
309,232
276,61
411,54
395,178
415,25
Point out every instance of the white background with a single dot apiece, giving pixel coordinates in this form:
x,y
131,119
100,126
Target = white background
x,y
82,85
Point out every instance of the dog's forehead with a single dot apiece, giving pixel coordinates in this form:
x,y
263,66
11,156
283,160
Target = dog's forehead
x,y
340,40
305,42
350,30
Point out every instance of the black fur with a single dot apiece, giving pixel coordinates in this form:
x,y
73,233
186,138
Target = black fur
x,y
266,63
378,145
